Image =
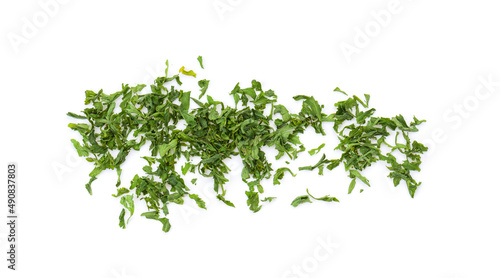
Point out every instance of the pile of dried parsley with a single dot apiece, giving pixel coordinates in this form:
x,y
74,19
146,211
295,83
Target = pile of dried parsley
x,y
214,131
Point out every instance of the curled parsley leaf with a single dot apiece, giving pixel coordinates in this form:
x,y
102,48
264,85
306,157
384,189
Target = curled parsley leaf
x,y
301,200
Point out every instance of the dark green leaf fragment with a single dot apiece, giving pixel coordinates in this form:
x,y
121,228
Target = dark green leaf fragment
x,y
88,186
121,218
200,59
221,198
280,173
253,201
81,150
204,86
166,224
164,148
351,186
339,90
121,191
76,116
300,200
285,115
356,174
128,202
151,215
319,165
198,200
326,198
316,150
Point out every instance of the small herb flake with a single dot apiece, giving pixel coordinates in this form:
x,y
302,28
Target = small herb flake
x,y
200,59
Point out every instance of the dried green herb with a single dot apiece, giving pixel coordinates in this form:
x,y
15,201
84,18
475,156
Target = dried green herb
x,y
268,199
300,200
210,132
280,173
200,59
326,198
316,150
361,142
306,199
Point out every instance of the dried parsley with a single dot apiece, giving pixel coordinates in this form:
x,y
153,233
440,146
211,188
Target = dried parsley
x,y
177,125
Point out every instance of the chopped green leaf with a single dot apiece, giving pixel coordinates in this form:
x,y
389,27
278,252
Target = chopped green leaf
x,y
300,200
315,151
188,73
200,59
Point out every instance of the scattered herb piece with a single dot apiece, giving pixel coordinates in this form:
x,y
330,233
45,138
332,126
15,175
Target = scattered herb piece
x,y
279,174
300,200
185,72
204,86
200,59
268,199
326,198
315,151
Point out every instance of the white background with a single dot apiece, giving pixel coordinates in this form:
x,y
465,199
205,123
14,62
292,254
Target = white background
x,y
427,60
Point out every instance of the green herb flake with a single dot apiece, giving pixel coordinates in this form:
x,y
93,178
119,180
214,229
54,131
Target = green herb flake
x,y
317,150
200,60
301,200
188,73
268,199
